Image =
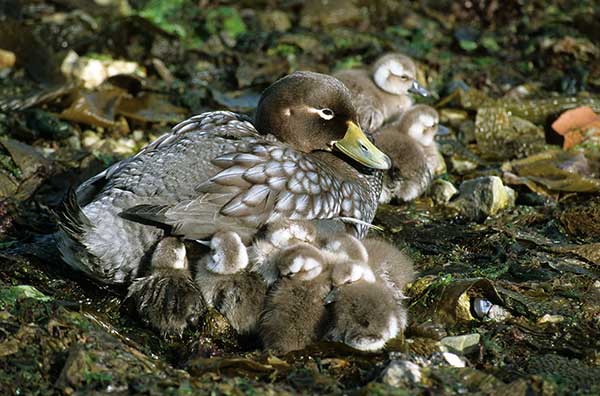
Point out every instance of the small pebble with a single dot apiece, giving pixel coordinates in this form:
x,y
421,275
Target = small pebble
x,y
463,344
547,318
400,372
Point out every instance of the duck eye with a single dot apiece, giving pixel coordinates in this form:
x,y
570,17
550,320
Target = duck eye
x,y
404,77
326,113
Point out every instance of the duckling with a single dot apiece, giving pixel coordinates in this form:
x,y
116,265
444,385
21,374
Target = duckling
x,y
236,293
305,158
295,314
410,143
278,236
167,278
365,315
382,93
234,279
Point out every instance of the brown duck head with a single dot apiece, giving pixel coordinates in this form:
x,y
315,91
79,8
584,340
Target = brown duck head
x,y
314,112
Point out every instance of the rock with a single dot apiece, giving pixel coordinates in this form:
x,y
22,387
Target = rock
x,y
442,191
94,71
89,139
547,318
500,135
463,344
7,59
485,309
482,197
453,117
462,166
441,164
453,360
400,372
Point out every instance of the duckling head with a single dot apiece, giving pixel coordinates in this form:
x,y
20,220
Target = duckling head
x,y
365,316
228,254
303,261
397,74
421,123
344,247
314,112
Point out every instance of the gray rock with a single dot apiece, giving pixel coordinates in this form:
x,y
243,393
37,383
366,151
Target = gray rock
x,y
453,359
500,135
400,372
442,191
462,344
483,197
462,166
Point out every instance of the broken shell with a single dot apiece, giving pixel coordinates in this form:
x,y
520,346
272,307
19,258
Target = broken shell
x,y
482,307
485,309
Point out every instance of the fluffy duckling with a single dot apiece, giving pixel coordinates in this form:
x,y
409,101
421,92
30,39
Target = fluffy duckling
x,y
382,93
365,315
277,237
168,297
226,286
295,313
410,143
234,279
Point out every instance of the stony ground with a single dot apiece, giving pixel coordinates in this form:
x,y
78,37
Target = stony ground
x,y
508,295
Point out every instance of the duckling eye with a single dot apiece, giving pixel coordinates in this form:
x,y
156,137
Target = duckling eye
x,y
326,113
404,77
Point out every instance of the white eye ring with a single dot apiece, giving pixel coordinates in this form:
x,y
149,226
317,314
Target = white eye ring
x,y
326,113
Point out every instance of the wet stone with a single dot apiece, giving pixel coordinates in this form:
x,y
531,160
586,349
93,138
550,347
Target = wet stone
x,y
453,359
442,191
462,166
482,197
500,135
401,372
463,344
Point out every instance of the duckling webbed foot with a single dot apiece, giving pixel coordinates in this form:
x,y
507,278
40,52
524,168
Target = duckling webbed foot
x,y
371,118
167,299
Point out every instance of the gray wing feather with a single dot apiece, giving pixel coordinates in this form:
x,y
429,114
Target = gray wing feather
x,y
249,192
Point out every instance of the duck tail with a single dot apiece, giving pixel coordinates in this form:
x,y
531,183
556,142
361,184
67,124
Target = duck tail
x,y
73,225
70,218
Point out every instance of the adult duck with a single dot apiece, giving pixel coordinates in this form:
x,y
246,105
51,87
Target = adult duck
x,y
304,158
